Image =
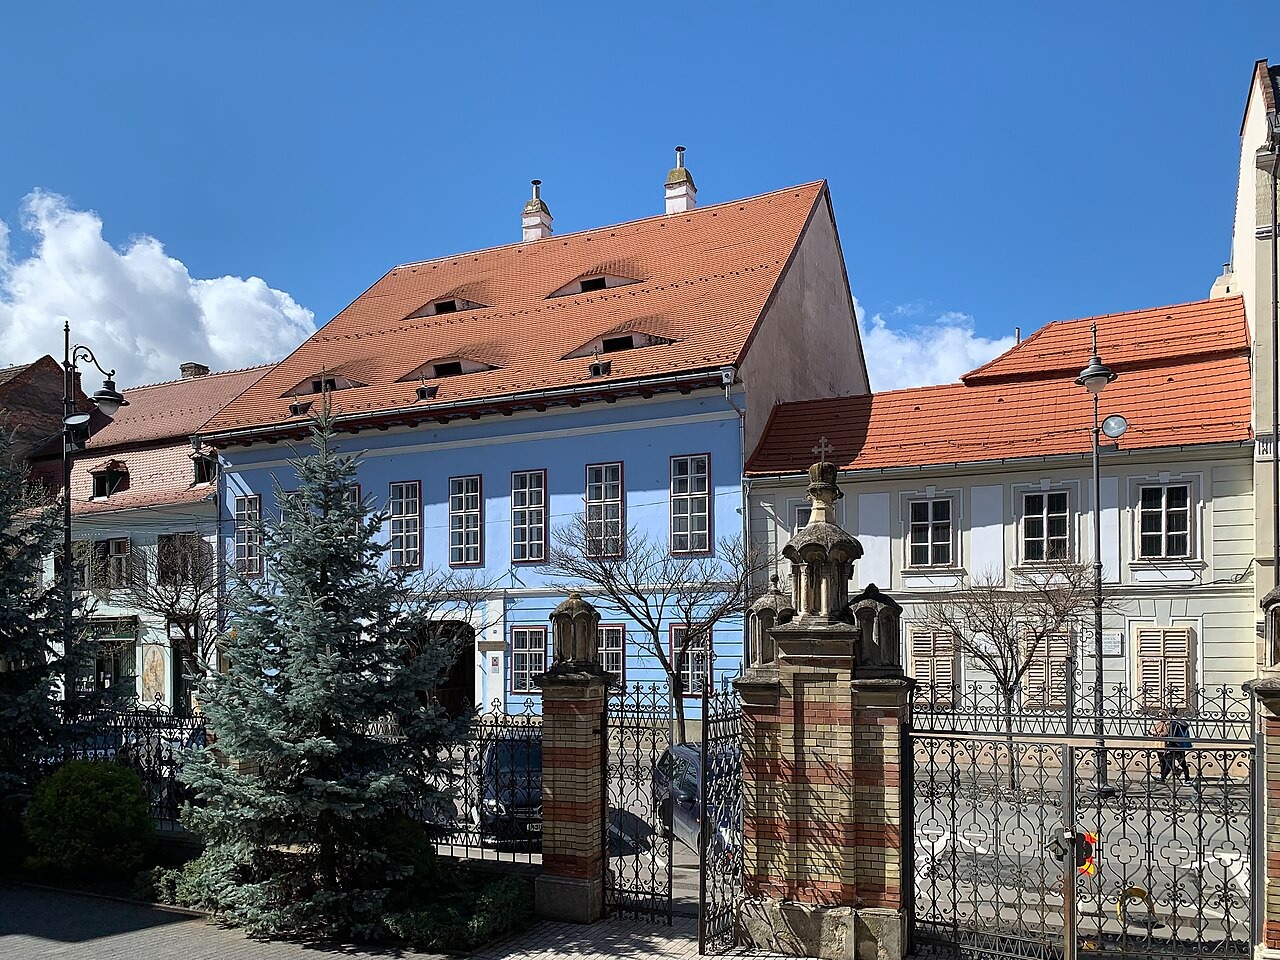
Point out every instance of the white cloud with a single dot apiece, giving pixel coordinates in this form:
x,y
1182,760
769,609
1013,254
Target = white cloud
x,y
917,354
139,309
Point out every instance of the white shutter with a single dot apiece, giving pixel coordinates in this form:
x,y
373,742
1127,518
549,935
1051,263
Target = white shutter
x,y
933,664
1045,682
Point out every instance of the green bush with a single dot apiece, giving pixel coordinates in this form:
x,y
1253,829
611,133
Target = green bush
x,y
463,923
182,886
89,818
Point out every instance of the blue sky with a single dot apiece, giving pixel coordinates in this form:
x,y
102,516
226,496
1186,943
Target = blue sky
x,y
992,164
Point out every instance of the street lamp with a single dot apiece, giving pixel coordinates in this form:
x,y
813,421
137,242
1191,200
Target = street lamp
x,y
75,426
1095,378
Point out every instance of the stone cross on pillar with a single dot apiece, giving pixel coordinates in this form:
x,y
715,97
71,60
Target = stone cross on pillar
x,y
571,885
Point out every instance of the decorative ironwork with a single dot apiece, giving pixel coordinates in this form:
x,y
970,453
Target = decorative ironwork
x,y
148,739
995,792
1217,713
490,802
644,784
720,881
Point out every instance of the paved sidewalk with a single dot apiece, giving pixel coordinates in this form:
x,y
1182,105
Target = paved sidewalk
x,y
43,925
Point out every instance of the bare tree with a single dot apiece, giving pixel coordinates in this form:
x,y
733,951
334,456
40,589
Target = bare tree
x,y
1009,630
637,576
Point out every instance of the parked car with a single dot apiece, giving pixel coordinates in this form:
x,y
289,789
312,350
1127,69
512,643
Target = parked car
x,y
510,772
677,810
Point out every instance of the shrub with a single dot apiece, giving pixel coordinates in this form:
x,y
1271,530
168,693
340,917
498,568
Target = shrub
x,y
501,907
408,845
89,817
182,886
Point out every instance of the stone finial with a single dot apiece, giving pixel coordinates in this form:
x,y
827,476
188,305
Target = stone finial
x,y
821,552
681,193
536,218
576,632
772,609
878,617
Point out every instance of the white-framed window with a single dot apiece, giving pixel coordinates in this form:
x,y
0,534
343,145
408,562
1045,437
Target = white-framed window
x,y
465,519
694,666
204,469
691,504
1164,521
405,509
529,516
613,652
1044,684
604,509
248,534
528,657
1046,526
1164,671
118,551
933,664
930,538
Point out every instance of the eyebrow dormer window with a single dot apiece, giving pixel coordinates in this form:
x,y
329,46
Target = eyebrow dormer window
x,y
320,386
614,344
444,305
447,367
323,383
451,369
592,283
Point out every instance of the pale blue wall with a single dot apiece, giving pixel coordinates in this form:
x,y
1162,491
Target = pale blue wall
x,y
643,435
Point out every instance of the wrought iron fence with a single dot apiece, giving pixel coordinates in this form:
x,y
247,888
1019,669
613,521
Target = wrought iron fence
x,y
722,834
489,805
1061,709
149,739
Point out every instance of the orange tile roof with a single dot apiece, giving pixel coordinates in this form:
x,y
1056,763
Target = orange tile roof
x,y
1188,398
158,476
177,408
1139,337
704,279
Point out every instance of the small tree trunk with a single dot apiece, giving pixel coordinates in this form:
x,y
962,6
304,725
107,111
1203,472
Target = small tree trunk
x,y
677,695
1008,695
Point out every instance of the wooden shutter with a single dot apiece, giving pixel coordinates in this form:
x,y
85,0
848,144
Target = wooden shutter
x,y
1163,669
933,661
1045,682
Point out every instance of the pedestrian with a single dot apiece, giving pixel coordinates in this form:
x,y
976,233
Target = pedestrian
x,y
1177,741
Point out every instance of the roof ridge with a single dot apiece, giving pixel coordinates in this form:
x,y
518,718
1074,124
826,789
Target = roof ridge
x,y
611,226
202,377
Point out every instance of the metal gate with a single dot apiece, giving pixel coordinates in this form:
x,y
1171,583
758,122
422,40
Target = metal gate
x,y
640,782
1042,834
720,798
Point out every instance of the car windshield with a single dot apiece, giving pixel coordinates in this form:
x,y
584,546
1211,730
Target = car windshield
x,y
506,755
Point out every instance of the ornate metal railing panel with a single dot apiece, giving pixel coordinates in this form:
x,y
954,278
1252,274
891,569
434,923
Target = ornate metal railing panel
x,y
490,802
984,810
645,775
720,879
1168,808
980,706
148,739
1174,851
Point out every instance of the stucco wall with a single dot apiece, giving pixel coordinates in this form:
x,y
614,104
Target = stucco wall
x,y
1212,592
807,343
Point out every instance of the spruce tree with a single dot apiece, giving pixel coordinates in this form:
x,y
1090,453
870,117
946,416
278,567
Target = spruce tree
x,y
30,632
297,797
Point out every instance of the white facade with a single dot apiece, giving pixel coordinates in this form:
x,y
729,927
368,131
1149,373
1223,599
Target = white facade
x,y
1203,599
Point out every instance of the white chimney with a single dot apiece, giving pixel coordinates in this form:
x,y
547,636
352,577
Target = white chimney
x,y
536,219
682,195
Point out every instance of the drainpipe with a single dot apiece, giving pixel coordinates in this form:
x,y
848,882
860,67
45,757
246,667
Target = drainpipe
x,y
726,378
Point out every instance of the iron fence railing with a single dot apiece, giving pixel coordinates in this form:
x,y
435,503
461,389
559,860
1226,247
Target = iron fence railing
x,y
1223,713
150,740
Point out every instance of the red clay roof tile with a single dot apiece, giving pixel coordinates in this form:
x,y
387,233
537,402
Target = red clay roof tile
x,y
1195,391
704,278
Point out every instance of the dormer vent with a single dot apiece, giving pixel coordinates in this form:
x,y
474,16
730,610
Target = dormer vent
x,y
323,383
445,305
299,407
600,368
427,391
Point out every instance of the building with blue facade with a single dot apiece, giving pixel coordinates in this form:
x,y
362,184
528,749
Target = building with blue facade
x,y
619,374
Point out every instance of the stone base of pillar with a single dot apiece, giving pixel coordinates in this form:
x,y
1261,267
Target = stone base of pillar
x,y
568,899
796,929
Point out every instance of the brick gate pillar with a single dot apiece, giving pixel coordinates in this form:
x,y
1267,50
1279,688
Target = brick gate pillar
x,y
824,704
571,886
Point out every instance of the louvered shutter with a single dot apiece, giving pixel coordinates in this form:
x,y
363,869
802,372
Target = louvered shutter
x,y
933,664
1045,682
1164,672
1177,667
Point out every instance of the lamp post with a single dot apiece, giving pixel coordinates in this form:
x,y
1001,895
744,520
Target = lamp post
x,y
1095,378
75,427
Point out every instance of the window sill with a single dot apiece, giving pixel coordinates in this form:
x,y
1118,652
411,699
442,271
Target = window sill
x,y
940,577
1167,571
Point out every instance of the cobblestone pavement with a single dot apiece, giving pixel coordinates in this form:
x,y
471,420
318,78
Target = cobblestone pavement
x,y
43,924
